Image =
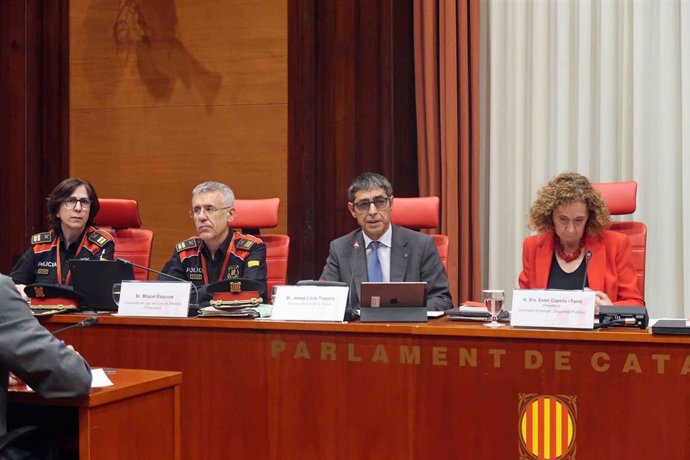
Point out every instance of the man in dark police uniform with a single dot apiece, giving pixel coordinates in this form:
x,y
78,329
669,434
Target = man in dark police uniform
x,y
218,252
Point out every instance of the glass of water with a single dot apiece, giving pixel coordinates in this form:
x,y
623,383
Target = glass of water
x,y
493,301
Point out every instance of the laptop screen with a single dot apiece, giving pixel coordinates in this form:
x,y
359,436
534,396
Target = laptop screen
x,y
94,279
401,294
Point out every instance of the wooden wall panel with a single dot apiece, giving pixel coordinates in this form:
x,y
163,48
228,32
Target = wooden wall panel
x,y
352,109
166,94
178,52
165,153
33,128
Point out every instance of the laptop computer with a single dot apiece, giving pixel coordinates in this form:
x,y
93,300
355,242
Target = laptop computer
x,y
393,302
94,279
401,294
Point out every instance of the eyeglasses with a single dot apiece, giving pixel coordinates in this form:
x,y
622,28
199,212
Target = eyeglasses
x,y
209,210
381,202
71,202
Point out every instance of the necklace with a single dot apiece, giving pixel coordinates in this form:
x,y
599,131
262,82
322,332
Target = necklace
x,y
560,252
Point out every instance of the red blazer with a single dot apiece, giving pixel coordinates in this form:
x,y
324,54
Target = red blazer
x,y
610,269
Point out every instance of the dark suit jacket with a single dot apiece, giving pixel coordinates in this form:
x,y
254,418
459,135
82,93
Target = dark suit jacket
x,y
609,270
34,354
413,258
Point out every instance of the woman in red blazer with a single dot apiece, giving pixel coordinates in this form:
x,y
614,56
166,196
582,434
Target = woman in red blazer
x,y
571,220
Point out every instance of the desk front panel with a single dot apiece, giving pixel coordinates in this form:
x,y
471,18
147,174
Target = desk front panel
x,y
323,391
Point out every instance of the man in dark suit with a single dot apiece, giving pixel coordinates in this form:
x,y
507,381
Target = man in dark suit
x,y
34,355
381,251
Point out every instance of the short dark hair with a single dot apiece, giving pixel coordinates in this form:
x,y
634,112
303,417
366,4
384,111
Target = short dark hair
x,y
63,191
368,181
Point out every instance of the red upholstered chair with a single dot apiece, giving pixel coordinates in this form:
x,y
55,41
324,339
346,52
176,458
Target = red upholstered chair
x,y
253,215
621,198
421,212
121,219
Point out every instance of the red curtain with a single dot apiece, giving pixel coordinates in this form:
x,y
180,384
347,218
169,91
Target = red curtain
x,y
446,52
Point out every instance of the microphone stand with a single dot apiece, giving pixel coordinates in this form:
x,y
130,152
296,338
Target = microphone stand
x,y
83,323
350,308
584,279
151,270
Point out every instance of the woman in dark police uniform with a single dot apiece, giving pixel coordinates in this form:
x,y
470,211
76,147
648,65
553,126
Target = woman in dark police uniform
x,y
72,207
572,221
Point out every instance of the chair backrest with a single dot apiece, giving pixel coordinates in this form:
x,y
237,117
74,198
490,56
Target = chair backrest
x,y
621,198
120,217
257,214
421,212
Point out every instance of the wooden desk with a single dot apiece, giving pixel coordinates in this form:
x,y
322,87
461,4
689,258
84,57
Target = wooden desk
x,y
138,417
266,390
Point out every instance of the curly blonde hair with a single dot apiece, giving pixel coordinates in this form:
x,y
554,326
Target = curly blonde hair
x,y
565,189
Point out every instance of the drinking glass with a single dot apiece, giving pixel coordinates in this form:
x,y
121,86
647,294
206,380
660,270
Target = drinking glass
x,y
493,301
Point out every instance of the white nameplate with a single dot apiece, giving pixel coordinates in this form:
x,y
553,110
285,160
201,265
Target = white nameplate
x,y
160,298
552,309
310,303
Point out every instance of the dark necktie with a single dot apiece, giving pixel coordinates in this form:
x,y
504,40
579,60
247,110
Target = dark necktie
x,y
373,263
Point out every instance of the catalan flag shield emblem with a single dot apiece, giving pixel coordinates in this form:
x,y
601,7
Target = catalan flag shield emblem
x,y
547,427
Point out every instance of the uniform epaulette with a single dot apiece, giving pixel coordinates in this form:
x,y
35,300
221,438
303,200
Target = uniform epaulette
x,y
186,244
100,238
40,238
244,243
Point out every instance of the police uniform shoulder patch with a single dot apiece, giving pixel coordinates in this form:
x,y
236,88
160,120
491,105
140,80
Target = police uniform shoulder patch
x,y
186,244
100,238
44,237
244,243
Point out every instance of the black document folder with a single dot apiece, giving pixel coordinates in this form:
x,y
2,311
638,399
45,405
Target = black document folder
x,y
671,326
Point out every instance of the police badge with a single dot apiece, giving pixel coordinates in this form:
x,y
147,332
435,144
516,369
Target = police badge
x,y
235,287
233,271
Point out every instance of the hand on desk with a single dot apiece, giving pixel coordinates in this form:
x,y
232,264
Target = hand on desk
x,y
72,348
20,288
600,298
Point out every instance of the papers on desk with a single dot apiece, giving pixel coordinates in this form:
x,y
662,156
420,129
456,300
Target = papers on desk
x,y
99,379
472,313
241,312
47,310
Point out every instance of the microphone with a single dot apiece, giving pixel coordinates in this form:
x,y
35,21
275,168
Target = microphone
x,y
584,279
350,313
83,323
176,278
351,284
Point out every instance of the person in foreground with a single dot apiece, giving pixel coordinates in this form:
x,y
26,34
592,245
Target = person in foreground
x,y
381,251
218,252
72,207
34,356
571,220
